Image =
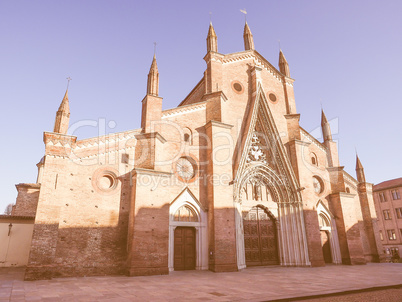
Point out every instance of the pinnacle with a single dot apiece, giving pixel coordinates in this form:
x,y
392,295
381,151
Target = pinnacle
x,y
211,31
247,29
282,58
358,163
154,65
323,118
64,106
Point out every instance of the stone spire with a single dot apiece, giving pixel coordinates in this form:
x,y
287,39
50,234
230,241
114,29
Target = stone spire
x,y
248,38
325,127
212,39
360,170
283,64
153,79
62,116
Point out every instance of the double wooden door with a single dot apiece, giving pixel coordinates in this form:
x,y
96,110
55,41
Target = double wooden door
x,y
260,239
184,248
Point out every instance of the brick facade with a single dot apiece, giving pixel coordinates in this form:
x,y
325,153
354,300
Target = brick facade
x,y
109,205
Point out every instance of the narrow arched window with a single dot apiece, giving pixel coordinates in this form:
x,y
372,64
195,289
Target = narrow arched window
x,y
314,160
188,136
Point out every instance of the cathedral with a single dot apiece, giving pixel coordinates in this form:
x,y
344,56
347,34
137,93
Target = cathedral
x,y
226,180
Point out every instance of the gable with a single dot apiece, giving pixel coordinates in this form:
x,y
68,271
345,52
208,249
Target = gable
x,y
259,144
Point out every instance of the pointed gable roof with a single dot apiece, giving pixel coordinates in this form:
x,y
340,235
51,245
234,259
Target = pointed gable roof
x,y
258,117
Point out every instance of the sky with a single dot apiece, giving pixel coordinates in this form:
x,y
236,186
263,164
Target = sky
x,y
344,55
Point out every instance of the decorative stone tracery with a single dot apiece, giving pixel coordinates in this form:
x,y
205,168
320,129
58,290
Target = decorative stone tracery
x,y
265,166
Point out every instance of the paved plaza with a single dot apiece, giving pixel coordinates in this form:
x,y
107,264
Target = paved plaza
x,y
251,284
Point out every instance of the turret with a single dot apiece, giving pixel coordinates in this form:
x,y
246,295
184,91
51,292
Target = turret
x,y
332,155
248,38
360,171
153,79
152,103
283,64
212,39
62,116
325,127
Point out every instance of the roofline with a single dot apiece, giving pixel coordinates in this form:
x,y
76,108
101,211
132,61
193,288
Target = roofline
x,y
188,95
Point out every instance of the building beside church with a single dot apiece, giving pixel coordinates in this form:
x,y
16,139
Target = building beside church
x,y
227,179
388,203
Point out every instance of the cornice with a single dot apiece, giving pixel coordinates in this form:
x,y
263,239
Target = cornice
x,y
332,169
184,109
260,61
348,178
214,94
110,138
292,116
343,194
218,124
313,140
150,136
58,139
28,185
151,172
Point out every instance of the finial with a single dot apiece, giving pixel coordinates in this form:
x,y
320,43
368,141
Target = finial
x,y
154,49
68,81
279,43
245,14
357,155
210,17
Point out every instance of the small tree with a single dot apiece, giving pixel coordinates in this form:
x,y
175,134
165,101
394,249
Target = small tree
x,y
8,209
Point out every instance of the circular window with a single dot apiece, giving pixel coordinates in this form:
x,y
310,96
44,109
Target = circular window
x,y
272,97
105,181
186,168
237,87
318,185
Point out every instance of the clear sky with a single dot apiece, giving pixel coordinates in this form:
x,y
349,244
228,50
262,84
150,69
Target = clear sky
x,y
344,54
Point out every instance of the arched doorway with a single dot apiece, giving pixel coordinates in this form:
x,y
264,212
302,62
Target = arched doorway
x,y
329,236
260,238
326,247
188,238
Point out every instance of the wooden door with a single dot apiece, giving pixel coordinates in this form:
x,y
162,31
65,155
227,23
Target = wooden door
x,y
184,248
260,241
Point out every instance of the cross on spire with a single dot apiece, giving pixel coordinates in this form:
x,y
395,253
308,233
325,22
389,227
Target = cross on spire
x,y
68,81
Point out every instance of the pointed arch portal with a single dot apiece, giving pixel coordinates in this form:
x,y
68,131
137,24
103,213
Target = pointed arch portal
x,y
264,163
329,235
188,241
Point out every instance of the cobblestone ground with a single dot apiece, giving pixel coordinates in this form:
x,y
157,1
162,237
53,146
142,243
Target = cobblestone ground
x,y
251,284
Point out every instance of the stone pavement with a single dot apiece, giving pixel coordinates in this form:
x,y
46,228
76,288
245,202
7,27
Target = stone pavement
x,y
251,284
